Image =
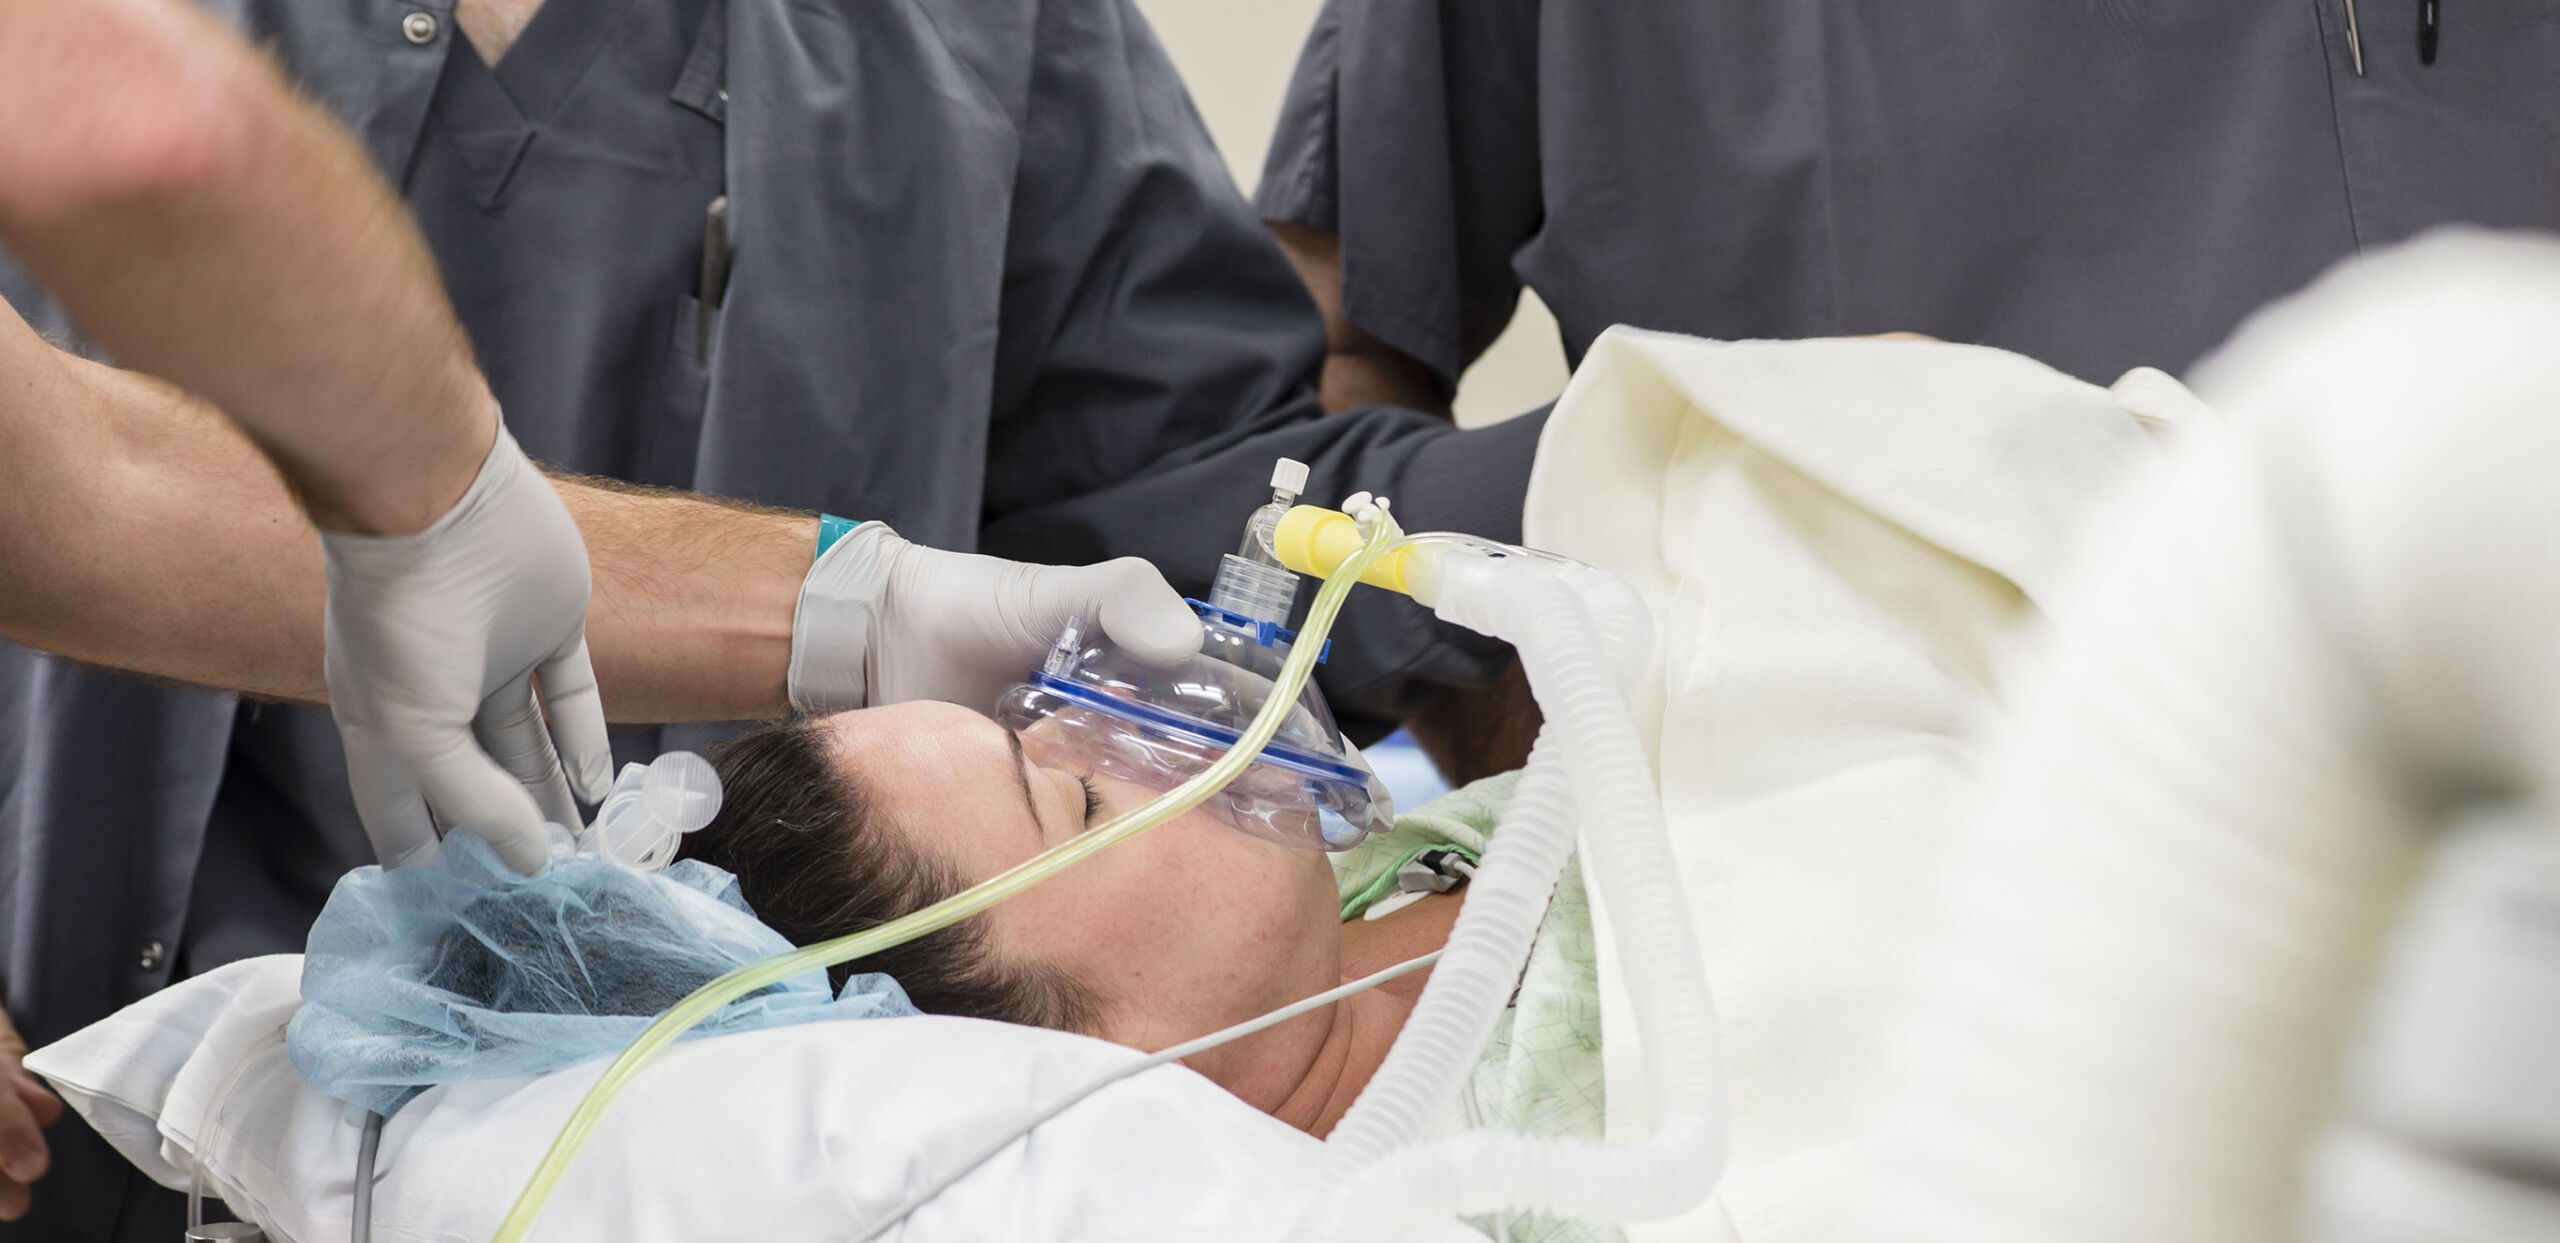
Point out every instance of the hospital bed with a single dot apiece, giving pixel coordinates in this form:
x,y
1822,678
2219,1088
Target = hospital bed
x,y
1733,486
1834,589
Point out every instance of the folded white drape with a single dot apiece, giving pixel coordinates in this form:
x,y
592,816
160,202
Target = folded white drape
x,y
1834,537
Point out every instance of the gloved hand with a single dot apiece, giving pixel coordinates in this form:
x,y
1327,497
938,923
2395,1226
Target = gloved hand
x,y
434,642
884,621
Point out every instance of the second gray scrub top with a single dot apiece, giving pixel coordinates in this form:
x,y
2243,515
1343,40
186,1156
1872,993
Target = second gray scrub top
x,y
992,285
2099,184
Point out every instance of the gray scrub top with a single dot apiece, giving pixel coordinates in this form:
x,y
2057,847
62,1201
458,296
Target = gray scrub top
x,y
993,285
587,108
2097,183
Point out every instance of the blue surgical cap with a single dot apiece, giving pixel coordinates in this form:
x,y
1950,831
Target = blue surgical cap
x,y
463,969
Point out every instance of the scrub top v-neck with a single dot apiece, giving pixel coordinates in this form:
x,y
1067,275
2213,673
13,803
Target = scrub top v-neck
x,y
563,193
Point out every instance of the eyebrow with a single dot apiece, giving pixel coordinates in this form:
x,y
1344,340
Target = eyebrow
x,y
1022,778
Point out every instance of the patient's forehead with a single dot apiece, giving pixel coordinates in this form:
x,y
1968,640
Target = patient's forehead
x,y
911,739
948,777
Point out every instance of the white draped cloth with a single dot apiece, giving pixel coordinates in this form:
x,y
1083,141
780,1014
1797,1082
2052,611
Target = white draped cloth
x,y
1834,538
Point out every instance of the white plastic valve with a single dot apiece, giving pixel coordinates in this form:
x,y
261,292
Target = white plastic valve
x,y
1367,511
1289,475
652,807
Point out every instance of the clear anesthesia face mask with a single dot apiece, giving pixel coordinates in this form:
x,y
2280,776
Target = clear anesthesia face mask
x,y
1090,707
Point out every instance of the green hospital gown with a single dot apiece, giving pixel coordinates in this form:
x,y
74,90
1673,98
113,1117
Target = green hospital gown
x,y
1540,1072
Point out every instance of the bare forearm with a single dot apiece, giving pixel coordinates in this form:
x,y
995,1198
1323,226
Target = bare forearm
x,y
1359,369
147,534
144,533
210,228
691,619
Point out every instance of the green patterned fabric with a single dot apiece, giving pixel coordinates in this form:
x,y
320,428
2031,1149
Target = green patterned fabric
x,y
1540,1072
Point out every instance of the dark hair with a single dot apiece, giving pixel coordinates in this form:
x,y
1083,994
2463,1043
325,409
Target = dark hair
x,y
814,858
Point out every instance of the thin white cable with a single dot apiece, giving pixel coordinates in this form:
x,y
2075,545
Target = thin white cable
x,y
1147,1063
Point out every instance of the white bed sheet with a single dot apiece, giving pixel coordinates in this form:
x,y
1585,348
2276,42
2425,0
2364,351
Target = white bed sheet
x,y
798,1133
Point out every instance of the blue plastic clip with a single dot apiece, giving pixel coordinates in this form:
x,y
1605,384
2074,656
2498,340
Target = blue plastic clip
x,y
1265,633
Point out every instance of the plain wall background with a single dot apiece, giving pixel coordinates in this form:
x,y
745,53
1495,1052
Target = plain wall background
x,y
1236,56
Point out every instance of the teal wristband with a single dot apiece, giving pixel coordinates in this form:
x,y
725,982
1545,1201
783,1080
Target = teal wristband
x,y
831,529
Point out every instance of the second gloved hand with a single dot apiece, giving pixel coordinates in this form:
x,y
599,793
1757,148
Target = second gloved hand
x,y
882,620
435,641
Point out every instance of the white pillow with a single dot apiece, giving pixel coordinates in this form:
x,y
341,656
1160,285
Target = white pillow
x,y
798,1133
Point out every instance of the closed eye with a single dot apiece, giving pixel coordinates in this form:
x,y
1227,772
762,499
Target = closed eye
x,y
1092,799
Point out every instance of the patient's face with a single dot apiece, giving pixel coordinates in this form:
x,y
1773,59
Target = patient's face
x,y
1188,927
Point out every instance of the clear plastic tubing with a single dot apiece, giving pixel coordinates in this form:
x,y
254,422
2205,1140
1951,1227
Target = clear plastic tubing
x,y
707,1000
1385,1182
1506,899
1486,948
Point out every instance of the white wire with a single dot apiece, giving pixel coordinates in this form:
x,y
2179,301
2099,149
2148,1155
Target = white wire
x,y
1147,1063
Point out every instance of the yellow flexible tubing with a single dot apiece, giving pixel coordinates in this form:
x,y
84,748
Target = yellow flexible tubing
x,y
707,1000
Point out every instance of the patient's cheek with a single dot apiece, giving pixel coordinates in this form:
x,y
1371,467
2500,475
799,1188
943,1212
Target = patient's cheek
x,y
1193,912
1290,904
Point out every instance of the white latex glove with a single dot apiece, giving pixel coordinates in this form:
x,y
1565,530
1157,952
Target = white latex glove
x,y
884,621
434,642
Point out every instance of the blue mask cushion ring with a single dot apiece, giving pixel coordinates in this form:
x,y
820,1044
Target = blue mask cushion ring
x,y
1092,706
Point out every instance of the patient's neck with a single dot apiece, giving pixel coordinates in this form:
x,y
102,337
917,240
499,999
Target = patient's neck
x,y
1313,1074
1306,1072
